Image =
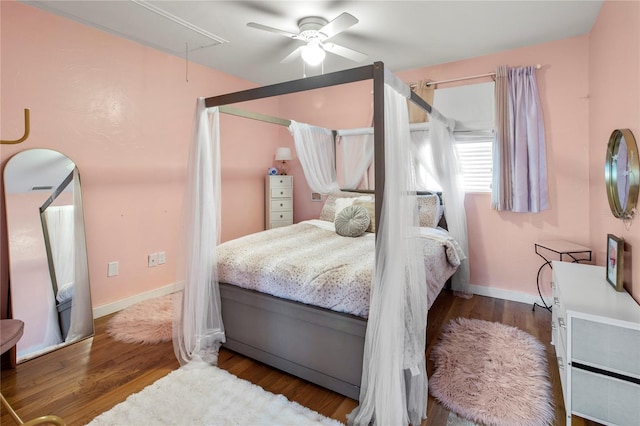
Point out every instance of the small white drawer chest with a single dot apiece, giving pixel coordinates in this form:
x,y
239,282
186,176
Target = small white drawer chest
x,y
596,333
278,201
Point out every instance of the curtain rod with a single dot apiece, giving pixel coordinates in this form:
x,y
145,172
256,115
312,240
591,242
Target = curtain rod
x,y
489,74
254,115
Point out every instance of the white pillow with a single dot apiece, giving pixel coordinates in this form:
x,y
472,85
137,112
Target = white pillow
x,y
341,203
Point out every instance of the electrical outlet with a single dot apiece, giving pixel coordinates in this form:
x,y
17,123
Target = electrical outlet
x,y
162,258
153,260
112,269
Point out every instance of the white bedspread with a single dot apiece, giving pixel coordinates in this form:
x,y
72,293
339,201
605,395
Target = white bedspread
x,y
308,262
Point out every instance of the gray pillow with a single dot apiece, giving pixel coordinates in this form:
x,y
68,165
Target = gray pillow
x,y
352,221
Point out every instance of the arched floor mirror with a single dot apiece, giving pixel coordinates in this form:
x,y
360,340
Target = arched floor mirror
x,y
48,272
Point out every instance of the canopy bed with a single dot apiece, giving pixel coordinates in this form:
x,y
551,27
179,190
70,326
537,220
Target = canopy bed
x,y
379,359
297,297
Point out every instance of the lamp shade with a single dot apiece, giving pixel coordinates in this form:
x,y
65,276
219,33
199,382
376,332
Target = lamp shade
x,y
283,154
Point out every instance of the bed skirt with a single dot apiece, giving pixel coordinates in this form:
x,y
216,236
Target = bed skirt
x,y
319,345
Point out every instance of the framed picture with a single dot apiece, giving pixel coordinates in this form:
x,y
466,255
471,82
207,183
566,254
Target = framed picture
x,y
615,257
315,196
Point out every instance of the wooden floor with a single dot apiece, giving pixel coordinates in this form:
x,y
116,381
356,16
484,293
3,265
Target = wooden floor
x,y
82,380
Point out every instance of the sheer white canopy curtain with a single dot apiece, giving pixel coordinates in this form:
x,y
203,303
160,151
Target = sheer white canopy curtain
x,y
60,232
198,331
434,150
316,152
394,379
519,154
357,156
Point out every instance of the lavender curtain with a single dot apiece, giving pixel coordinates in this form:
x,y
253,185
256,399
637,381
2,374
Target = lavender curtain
x,y
519,163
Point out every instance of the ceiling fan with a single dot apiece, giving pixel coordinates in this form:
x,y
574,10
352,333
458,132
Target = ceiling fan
x,y
314,32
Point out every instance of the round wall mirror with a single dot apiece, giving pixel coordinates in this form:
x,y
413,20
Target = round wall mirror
x,y
621,173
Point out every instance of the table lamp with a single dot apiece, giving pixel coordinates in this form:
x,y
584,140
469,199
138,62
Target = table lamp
x,y
283,154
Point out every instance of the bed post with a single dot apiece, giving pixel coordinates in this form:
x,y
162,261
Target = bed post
x,y
378,137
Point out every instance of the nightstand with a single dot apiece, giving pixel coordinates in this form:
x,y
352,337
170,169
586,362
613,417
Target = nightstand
x,y
278,201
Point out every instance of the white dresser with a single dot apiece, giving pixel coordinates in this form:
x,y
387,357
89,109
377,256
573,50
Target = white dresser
x,y
596,333
278,201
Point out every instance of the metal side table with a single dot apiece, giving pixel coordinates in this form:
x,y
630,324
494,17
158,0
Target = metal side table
x,y
565,251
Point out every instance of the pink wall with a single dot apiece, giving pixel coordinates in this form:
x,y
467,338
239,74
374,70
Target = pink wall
x,y
123,113
501,244
614,99
338,107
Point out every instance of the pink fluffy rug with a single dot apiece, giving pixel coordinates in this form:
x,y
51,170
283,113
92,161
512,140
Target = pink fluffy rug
x,y
146,322
492,374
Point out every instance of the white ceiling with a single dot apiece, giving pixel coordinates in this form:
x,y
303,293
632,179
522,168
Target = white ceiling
x,y
402,34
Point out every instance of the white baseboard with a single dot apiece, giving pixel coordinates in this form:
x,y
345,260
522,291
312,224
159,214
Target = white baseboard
x,y
515,296
119,305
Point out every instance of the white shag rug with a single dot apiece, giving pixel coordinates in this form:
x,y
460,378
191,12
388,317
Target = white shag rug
x,y
201,394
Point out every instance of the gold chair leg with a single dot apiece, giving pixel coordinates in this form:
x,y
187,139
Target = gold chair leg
x,y
43,420
15,416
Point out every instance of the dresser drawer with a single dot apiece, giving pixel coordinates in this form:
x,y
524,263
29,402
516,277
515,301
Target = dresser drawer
x,y
286,216
281,181
605,399
281,192
606,346
281,205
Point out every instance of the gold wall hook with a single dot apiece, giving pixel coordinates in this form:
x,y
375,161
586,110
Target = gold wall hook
x,y
26,130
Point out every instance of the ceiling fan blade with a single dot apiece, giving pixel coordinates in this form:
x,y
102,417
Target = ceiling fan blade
x,y
273,30
293,55
345,52
341,23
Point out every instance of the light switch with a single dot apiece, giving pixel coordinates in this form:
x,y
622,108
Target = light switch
x,y
112,269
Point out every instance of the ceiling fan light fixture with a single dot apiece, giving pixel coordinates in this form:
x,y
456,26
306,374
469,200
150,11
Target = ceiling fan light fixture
x,y
313,54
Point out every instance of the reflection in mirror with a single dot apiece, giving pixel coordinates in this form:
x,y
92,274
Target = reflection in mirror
x,y
622,168
49,277
621,174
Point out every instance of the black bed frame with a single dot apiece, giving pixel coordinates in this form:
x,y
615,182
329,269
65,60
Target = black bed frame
x,y
319,345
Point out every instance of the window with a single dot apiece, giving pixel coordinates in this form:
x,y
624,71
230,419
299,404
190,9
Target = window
x,y
475,156
474,150
474,106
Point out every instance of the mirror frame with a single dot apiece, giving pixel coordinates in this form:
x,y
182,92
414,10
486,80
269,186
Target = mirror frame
x,y
611,174
48,199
